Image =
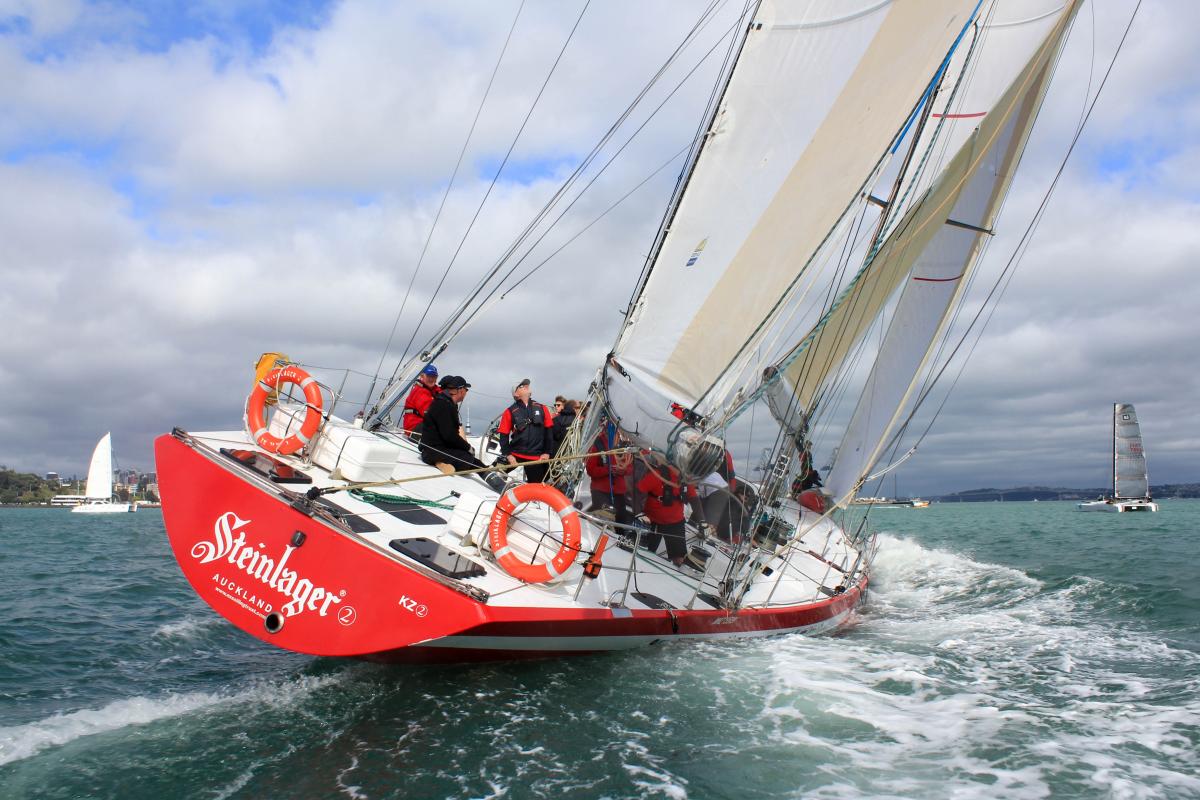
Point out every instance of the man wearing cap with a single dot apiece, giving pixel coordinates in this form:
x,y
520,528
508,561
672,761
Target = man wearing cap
x,y
441,441
424,390
527,434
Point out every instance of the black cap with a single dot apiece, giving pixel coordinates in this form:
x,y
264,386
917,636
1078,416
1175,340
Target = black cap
x,y
454,382
520,383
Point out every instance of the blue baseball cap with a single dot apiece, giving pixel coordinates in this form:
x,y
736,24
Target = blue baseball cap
x,y
430,369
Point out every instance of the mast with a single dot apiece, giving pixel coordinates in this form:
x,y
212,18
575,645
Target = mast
x,y
1116,406
703,136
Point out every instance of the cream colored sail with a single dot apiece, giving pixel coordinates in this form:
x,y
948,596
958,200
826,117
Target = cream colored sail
x,y
934,247
813,104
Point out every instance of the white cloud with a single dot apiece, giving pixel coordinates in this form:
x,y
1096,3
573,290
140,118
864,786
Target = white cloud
x,y
167,214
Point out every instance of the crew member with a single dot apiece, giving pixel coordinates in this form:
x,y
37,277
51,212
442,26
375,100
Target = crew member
x,y
526,434
609,475
441,432
665,495
717,491
564,418
424,390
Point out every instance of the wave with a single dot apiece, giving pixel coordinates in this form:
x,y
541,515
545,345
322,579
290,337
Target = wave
x,y
22,741
957,660
187,628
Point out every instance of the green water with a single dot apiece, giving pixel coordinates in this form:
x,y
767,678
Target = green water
x,y
1008,650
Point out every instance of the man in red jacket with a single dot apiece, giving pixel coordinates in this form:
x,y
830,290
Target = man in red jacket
x,y
665,497
417,403
609,475
527,434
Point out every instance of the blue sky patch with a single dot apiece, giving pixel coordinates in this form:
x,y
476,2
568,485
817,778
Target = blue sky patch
x,y
525,171
151,26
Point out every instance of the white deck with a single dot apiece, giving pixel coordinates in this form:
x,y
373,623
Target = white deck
x,y
808,569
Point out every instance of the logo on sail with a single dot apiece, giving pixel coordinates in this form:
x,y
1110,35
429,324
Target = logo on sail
x,y
304,594
695,256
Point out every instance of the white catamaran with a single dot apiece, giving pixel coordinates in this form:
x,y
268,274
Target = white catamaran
x,y
844,179
1130,481
98,496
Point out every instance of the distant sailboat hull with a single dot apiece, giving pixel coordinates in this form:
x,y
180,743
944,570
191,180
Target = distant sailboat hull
x,y
1118,506
103,508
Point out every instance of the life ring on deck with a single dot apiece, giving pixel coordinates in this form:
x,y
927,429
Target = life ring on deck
x,y
256,410
498,532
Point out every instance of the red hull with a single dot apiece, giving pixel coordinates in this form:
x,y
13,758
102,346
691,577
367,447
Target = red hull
x,y
337,595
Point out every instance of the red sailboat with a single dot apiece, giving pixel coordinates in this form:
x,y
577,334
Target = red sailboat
x,y
336,537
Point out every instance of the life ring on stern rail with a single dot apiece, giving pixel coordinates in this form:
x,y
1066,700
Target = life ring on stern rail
x,y
256,410
498,532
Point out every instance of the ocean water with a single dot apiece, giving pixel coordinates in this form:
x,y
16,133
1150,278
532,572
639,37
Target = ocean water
x,y
1017,650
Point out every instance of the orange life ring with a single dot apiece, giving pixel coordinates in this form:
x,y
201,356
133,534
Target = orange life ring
x,y
256,410
498,532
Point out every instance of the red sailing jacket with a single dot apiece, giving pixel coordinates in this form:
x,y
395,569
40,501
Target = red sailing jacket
x,y
417,404
664,503
599,469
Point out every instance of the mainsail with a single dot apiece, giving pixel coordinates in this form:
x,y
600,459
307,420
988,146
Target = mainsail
x,y
99,479
940,238
813,104
1129,460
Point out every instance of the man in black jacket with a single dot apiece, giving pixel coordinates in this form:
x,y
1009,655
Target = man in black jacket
x,y
441,438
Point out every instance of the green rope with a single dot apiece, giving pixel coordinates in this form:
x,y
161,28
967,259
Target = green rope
x,y
377,497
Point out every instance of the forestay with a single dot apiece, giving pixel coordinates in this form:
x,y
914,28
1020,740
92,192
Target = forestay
x,y
813,103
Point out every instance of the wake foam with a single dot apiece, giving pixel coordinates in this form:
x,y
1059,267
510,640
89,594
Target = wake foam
x,y
958,660
22,741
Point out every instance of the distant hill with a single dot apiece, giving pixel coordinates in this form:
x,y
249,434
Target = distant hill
x,y
1058,493
21,487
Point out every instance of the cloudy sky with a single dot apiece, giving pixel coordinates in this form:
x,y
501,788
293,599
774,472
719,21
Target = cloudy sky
x,y
184,185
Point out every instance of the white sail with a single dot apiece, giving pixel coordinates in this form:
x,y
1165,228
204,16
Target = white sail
x,y
1005,38
99,479
817,96
1129,459
936,244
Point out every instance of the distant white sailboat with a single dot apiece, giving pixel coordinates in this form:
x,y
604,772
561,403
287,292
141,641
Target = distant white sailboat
x,y
1131,483
99,492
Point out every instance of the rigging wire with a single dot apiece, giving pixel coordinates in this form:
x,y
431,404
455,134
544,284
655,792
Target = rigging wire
x,y
495,178
446,194
383,403
579,171
449,325
496,289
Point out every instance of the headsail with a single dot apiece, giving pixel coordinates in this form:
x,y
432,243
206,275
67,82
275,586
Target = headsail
x,y
813,103
1129,459
99,479
939,240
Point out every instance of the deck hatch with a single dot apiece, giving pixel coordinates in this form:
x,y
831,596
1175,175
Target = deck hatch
x,y
438,558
